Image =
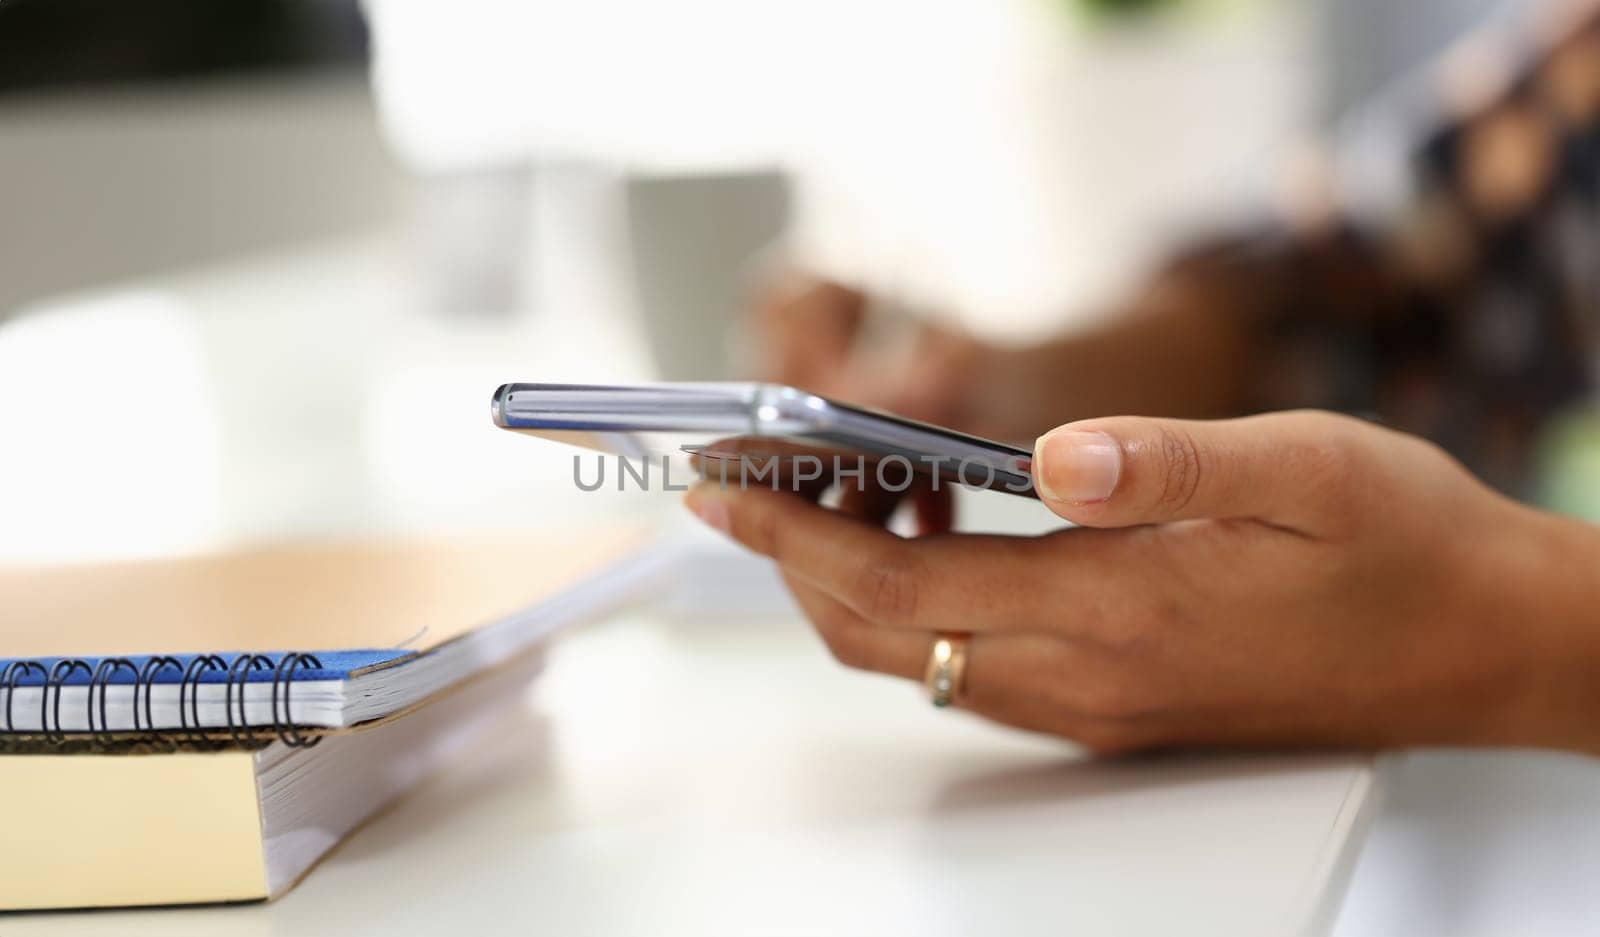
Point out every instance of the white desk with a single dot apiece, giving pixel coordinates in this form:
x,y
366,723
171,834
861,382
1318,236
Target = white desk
x,y
722,777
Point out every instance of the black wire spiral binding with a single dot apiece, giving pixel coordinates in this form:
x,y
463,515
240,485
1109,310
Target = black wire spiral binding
x,y
285,728
52,680
240,673
102,679
63,669
25,673
147,676
15,671
190,687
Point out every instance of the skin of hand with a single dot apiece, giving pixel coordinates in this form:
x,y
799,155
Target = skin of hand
x,y
1296,579
810,333
1176,350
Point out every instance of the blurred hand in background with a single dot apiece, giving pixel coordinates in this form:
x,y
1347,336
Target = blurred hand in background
x,y
1175,350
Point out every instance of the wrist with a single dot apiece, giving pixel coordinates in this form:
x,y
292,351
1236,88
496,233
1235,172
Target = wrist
x,y
1552,581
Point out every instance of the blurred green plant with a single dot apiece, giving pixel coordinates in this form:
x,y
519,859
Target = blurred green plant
x,y
1568,464
1121,7
1182,10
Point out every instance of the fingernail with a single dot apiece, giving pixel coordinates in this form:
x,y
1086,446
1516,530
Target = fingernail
x,y
1076,466
704,502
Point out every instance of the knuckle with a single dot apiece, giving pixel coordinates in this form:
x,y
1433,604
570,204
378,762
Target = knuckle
x,y
1334,461
1182,467
761,531
830,622
890,589
845,644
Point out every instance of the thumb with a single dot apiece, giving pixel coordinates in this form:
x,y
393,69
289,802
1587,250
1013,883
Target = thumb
x,y
1284,468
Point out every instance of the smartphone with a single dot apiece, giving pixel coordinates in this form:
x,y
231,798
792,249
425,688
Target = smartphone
x,y
756,427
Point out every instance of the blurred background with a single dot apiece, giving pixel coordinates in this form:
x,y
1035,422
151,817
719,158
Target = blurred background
x,y
301,238
262,262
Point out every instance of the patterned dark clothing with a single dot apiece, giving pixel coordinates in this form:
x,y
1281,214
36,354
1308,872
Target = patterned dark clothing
x,y
1476,319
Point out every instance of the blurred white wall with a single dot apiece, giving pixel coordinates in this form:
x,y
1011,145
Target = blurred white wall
x,y
110,434
100,185
1019,170
999,158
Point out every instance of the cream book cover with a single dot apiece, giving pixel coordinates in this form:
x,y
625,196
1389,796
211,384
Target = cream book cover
x,y
120,796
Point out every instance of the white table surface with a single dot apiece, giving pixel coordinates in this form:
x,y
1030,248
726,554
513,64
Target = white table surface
x,y
718,776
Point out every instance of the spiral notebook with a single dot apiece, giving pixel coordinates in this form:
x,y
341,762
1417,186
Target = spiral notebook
x,y
206,729
276,642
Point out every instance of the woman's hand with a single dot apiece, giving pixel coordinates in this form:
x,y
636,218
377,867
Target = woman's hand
x,y
1178,348
1297,578
819,335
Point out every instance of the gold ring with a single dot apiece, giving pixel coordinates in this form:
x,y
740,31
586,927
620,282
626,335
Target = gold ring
x,y
947,666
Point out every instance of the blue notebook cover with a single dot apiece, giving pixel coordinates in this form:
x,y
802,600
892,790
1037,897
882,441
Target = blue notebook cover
x,y
199,668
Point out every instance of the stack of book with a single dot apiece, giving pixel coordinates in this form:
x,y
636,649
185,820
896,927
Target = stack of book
x,y
206,729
